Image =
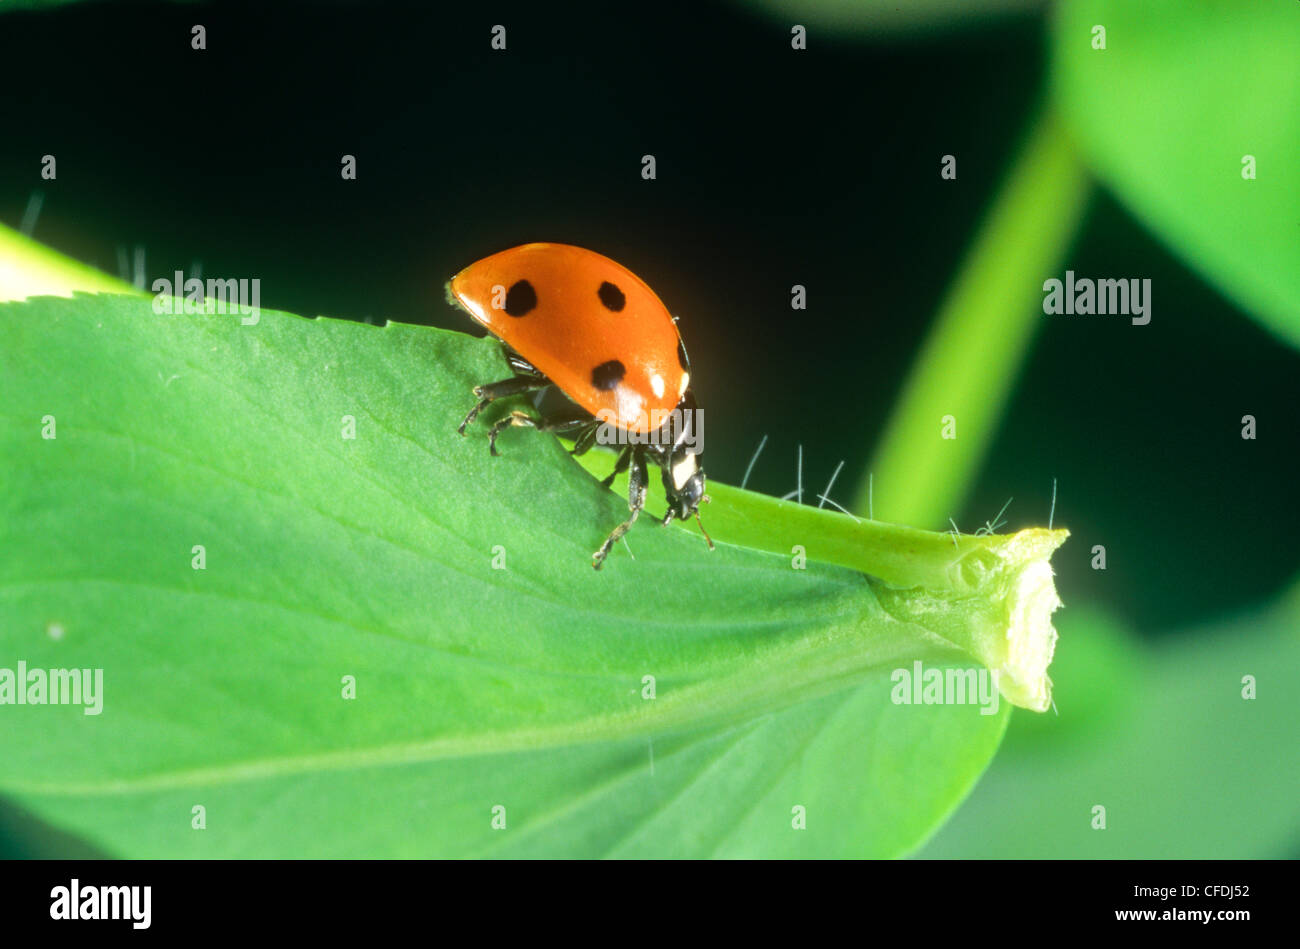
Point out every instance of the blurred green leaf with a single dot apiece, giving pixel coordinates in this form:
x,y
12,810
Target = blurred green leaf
x,y
888,16
8,6
1096,671
373,558
1162,738
1165,114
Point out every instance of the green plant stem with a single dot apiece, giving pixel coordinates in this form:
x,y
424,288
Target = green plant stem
x,y
990,595
983,331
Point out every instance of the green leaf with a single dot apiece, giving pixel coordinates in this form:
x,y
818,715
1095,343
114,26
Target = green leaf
x,y
1165,114
372,557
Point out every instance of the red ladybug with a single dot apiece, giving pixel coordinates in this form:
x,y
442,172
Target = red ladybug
x,y
578,321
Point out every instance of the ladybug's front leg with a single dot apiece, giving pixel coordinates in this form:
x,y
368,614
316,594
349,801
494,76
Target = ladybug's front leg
x,y
619,466
488,394
636,488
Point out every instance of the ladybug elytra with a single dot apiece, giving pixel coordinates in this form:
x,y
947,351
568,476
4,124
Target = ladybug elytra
x,y
572,319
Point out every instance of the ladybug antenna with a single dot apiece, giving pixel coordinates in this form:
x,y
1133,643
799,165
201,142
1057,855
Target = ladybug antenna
x,y
701,523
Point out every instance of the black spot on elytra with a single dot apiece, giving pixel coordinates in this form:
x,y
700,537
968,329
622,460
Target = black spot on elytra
x,y
607,375
611,296
681,354
520,298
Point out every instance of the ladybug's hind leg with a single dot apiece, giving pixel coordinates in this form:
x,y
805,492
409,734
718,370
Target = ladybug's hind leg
x,y
636,487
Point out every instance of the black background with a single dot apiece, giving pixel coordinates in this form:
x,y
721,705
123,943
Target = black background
x,y
330,900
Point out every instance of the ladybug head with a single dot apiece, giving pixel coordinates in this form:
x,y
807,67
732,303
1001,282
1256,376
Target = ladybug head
x,y
684,484
683,476
688,486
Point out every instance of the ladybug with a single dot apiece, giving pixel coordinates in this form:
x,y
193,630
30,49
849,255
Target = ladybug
x,y
574,320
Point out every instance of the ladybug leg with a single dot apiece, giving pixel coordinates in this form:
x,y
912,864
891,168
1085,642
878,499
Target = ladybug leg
x,y
619,466
499,390
554,423
670,493
585,439
635,502
522,419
